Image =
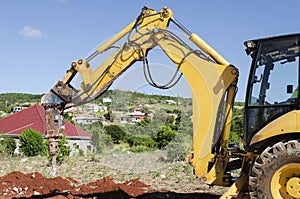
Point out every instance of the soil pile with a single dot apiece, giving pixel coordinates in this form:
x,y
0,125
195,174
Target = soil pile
x,y
35,185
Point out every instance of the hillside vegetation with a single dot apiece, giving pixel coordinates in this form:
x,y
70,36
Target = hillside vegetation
x,y
167,126
9,100
169,122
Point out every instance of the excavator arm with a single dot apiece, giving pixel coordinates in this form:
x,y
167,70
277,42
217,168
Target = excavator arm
x,y
211,78
213,83
135,49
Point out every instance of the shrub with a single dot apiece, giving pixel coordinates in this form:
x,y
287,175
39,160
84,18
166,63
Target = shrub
x,y
139,149
31,142
164,136
179,148
116,133
144,122
63,151
80,153
176,152
135,141
7,145
237,127
100,140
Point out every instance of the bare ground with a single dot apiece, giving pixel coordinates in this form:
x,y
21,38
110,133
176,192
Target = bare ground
x,y
113,173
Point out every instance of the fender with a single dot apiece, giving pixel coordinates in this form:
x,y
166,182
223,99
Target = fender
x,y
286,124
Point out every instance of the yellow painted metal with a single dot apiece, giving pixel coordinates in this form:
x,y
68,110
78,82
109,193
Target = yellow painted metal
x,y
202,44
94,82
212,84
216,175
288,123
293,187
285,182
234,189
150,19
209,82
116,38
69,76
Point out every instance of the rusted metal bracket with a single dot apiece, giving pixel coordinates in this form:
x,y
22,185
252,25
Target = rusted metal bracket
x,y
63,91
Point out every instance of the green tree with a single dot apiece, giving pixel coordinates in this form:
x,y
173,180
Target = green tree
x,y
170,119
9,100
107,115
7,145
178,118
176,152
144,122
179,148
99,140
116,133
164,136
237,126
135,141
31,142
69,118
64,149
95,141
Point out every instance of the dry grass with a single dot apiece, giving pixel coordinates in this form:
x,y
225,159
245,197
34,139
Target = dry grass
x,y
148,167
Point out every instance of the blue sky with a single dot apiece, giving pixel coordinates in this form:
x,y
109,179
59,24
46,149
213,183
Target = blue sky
x,y
40,38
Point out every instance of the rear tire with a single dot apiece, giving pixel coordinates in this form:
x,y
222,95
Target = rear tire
x,y
276,172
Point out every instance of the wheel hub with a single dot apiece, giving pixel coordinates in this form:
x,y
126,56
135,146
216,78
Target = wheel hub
x,y
285,182
293,187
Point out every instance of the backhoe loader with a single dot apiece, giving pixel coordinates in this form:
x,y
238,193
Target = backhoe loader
x,y
268,161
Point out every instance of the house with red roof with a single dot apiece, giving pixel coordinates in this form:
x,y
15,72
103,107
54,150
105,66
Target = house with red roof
x,y
34,118
133,117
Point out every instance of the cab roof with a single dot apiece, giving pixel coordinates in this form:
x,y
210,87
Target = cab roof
x,y
252,44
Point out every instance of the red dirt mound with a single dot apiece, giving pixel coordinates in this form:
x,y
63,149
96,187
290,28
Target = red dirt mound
x,y
35,185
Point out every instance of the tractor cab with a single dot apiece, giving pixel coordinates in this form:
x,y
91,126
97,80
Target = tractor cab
x,y
273,81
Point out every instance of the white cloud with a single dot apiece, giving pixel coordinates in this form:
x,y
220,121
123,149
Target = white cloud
x,y
30,32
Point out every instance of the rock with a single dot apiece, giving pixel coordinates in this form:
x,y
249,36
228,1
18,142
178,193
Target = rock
x,y
162,176
35,193
15,189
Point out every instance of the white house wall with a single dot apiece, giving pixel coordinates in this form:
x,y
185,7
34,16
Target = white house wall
x,y
83,144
